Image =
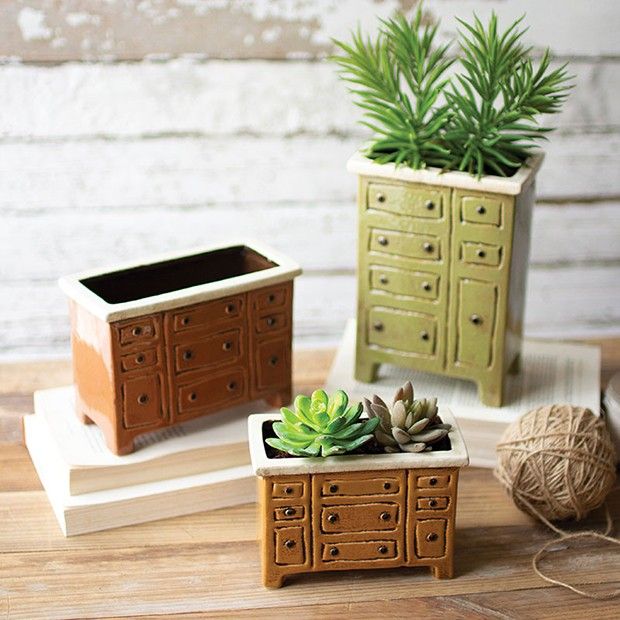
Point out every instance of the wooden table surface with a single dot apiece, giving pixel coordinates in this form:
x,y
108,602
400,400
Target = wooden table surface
x,y
207,564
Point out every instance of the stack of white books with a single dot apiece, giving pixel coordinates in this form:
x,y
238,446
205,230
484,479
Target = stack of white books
x,y
200,465
551,373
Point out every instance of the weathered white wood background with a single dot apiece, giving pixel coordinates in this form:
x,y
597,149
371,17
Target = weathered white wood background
x,y
135,127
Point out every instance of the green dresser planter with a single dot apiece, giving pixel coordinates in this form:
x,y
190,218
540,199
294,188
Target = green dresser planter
x,y
442,269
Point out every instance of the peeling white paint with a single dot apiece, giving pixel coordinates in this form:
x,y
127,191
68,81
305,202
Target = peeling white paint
x,y
82,19
32,25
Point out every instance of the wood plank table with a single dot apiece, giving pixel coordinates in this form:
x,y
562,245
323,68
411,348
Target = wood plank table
x,y
207,565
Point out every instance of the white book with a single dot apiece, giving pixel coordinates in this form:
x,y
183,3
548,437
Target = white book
x,y
551,373
102,510
210,443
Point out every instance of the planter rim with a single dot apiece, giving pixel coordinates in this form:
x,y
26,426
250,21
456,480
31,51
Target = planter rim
x,y
514,185
285,270
455,457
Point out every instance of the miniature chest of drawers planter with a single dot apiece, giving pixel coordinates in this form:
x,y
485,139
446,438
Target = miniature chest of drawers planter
x,y
164,341
442,264
356,511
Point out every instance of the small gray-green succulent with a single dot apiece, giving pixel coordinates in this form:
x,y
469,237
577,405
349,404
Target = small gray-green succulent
x,y
409,425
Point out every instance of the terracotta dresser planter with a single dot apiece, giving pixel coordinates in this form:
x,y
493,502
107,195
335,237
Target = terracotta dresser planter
x,y
164,341
441,271
356,511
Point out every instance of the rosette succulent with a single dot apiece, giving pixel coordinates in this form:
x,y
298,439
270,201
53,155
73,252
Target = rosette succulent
x,y
408,425
322,426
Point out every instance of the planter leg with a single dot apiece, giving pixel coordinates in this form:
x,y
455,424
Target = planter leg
x,y
515,367
115,445
365,370
491,395
83,418
279,399
443,571
273,581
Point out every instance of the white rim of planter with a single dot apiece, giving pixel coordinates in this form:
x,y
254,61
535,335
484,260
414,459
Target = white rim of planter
x,y
263,466
285,270
514,185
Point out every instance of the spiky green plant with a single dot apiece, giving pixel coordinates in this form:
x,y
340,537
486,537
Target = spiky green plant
x,y
409,425
322,426
481,120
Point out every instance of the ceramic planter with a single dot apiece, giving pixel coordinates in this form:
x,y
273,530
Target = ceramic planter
x,y
442,263
356,511
162,341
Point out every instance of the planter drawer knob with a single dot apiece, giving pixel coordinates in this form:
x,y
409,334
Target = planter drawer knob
x,y
428,247
289,544
378,326
432,503
273,360
430,205
383,279
426,286
380,197
192,396
288,490
424,335
230,308
137,331
475,319
227,346
480,210
480,253
143,399
383,240
387,486
271,298
185,320
232,386
332,517
432,537
289,512
140,359
383,549
333,488
333,551
271,321
385,516
433,481
187,355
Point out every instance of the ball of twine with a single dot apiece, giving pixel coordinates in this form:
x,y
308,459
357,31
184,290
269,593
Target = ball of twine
x,y
557,461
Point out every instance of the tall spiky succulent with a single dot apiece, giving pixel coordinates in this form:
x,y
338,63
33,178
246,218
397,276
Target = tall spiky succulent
x,y
408,425
322,426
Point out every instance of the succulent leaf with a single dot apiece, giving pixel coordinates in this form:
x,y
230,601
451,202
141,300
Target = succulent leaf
x,y
399,414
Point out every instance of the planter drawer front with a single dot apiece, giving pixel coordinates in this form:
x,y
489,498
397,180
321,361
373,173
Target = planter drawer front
x,y
290,545
223,348
410,245
212,392
269,298
273,363
400,330
401,282
476,320
359,517
359,551
432,503
360,486
430,538
141,359
405,200
438,481
478,210
138,331
207,314
272,322
281,490
481,254
142,404
288,513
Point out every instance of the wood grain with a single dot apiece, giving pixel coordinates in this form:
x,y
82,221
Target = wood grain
x,y
207,565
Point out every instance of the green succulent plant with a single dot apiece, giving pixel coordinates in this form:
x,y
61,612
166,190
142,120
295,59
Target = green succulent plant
x,y
481,120
322,426
409,425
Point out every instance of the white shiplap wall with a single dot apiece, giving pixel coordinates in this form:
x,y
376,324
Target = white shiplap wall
x,y
108,161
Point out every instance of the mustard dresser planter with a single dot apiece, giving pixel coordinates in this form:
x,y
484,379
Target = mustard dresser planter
x,y
356,511
442,264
